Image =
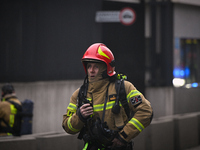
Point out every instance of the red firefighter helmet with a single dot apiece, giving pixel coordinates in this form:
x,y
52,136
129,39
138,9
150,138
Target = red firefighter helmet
x,y
99,52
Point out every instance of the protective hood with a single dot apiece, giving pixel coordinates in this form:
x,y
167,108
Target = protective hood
x,y
99,76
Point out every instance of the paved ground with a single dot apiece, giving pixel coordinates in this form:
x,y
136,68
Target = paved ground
x,y
194,148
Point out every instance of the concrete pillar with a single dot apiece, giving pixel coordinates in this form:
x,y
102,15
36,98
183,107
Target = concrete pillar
x,y
162,100
161,134
143,140
186,131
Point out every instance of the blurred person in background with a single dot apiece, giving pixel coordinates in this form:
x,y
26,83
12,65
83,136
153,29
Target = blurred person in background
x,y
8,110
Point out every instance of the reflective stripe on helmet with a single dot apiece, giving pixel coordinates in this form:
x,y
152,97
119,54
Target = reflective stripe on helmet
x,y
70,126
137,124
102,53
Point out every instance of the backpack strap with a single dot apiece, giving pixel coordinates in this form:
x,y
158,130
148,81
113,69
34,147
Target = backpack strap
x,y
83,93
121,96
17,106
6,129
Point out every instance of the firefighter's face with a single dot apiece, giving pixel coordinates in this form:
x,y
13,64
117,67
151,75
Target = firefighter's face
x,y
92,69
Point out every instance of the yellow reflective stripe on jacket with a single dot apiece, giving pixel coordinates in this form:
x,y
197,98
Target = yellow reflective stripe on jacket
x,y
70,126
100,107
13,109
12,115
72,106
133,93
137,124
12,120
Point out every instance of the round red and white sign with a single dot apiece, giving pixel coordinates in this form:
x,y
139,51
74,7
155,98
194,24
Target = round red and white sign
x,y
127,16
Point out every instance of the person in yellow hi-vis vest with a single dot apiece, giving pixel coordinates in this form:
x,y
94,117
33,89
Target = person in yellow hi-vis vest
x,y
107,111
8,110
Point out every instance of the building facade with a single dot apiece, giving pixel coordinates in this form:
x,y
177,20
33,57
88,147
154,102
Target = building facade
x,y
42,43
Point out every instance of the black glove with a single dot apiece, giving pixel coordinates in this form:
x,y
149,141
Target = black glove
x,y
81,116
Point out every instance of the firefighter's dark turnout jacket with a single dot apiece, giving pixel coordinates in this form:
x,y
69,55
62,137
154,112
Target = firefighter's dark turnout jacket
x,y
97,93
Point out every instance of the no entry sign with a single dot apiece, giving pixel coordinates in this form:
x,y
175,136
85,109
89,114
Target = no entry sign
x,y
126,16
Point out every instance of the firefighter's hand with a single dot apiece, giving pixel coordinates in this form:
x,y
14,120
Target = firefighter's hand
x,y
86,110
117,143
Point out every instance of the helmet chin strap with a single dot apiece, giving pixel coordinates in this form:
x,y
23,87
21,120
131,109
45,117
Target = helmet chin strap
x,y
104,74
111,78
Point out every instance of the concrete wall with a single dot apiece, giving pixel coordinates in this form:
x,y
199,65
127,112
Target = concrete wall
x,y
169,100
186,21
176,132
186,100
42,141
52,98
162,100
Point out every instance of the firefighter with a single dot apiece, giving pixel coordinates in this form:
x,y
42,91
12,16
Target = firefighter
x,y
94,110
7,110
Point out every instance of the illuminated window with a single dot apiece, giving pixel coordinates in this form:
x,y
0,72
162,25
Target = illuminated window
x,y
186,62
